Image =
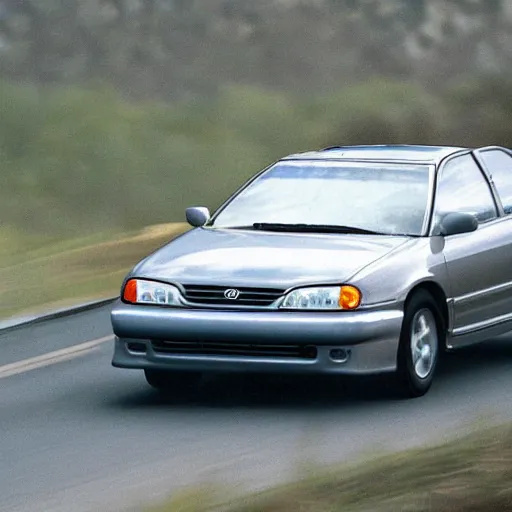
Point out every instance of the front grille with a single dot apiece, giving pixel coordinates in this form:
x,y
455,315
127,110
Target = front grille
x,y
214,295
234,349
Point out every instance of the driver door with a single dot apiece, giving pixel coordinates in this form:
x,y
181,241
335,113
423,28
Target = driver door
x,y
478,262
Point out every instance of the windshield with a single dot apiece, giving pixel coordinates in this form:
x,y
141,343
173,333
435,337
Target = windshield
x,y
386,198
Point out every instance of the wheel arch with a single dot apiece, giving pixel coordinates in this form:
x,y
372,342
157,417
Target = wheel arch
x,y
439,296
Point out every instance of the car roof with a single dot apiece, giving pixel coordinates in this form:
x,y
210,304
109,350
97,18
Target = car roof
x,y
383,152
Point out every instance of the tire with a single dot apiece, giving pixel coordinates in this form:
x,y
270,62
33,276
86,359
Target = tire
x,y
418,354
164,380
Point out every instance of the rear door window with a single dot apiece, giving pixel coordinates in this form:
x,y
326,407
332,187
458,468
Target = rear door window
x,y
499,165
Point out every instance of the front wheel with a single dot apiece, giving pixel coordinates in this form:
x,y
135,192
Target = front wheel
x,y
421,337
165,380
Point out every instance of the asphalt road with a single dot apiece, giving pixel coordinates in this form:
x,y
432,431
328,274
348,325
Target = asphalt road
x,y
78,435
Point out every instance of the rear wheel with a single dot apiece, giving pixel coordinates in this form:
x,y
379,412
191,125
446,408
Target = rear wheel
x,y
165,380
421,339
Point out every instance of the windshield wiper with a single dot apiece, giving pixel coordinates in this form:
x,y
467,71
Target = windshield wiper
x,y
313,228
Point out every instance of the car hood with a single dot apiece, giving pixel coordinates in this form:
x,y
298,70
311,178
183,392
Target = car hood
x,y
263,259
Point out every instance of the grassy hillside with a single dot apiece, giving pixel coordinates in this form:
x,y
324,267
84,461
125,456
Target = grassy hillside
x,y
39,274
82,166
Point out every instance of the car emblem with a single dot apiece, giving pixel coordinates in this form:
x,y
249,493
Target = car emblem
x,y
231,294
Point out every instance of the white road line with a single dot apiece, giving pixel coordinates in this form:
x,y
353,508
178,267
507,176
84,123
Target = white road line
x,y
57,356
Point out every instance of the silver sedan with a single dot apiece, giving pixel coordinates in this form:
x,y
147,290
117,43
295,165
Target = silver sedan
x,y
349,260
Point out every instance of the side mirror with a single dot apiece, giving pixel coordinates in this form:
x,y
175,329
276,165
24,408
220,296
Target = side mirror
x,y
456,223
197,216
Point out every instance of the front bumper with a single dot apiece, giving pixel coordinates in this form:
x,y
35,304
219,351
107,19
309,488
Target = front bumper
x,y
368,338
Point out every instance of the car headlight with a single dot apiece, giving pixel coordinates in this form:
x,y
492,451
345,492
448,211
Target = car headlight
x,y
140,291
329,298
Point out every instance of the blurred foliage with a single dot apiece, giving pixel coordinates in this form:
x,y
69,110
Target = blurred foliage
x,y
176,48
471,474
120,113
77,159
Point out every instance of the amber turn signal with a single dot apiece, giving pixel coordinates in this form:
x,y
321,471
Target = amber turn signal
x,y
130,291
350,297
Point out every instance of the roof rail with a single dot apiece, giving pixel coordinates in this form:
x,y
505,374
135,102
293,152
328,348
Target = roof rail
x,y
329,148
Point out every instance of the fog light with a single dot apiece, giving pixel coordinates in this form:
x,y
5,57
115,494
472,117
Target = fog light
x,y
309,352
339,355
137,347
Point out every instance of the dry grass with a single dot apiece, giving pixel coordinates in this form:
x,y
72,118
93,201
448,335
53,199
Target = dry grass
x,y
37,276
469,475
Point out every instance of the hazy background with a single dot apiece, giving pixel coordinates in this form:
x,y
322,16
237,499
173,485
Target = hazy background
x,y
117,114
